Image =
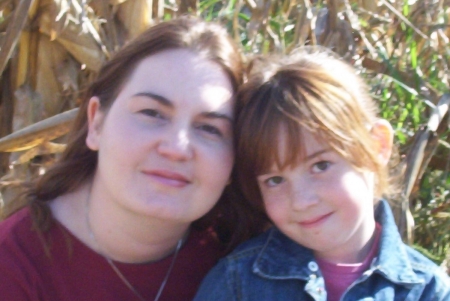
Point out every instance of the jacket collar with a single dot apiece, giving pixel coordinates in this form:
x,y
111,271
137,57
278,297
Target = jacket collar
x,y
282,258
393,260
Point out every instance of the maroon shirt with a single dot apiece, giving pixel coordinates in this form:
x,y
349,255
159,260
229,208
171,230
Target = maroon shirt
x,y
73,272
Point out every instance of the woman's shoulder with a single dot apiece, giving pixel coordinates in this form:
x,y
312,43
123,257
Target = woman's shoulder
x,y
18,252
15,227
24,247
202,248
21,245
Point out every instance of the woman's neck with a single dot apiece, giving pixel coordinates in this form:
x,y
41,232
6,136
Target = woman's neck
x,y
113,231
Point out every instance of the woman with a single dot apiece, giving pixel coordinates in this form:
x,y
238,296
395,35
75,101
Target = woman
x,y
126,213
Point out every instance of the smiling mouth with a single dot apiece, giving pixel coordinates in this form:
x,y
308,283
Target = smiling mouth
x,y
168,178
316,221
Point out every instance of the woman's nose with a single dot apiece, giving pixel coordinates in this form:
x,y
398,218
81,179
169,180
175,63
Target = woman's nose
x,y
176,145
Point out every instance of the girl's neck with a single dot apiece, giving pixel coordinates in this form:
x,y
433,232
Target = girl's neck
x,y
357,249
115,232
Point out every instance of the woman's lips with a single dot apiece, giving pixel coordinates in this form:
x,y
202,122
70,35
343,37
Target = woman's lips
x,y
315,221
168,178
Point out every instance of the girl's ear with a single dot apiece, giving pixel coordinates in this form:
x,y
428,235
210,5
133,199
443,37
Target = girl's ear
x,y
383,133
95,121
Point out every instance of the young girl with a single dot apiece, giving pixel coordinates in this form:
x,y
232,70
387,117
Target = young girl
x,y
313,155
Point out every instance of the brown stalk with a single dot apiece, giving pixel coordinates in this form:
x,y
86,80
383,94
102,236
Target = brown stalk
x,y
35,134
417,160
13,33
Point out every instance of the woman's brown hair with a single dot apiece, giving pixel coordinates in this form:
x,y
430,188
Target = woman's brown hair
x,y
78,163
312,90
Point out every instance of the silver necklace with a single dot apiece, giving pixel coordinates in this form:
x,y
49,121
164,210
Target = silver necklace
x,y
116,269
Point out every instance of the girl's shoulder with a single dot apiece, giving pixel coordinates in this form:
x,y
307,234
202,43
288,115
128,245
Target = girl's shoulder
x,y
270,247
254,243
426,268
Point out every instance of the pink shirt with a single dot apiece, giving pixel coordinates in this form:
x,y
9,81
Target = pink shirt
x,y
338,277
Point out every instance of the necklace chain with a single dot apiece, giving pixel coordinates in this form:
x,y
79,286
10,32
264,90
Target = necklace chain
x,y
116,269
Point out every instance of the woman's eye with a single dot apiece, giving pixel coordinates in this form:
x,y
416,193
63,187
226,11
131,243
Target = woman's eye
x,y
210,129
274,181
151,113
320,166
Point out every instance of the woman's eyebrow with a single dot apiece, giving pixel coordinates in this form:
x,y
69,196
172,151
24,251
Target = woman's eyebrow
x,y
161,99
166,102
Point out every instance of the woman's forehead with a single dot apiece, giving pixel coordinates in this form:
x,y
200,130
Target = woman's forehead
x,y
182,78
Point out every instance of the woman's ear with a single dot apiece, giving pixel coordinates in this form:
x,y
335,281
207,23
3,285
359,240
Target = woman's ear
x,y
95,120
383,134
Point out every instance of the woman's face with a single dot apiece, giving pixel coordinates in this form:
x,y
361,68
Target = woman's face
x,y
165,146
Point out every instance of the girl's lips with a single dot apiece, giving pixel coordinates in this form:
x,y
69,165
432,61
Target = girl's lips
x,y
315,221
168,178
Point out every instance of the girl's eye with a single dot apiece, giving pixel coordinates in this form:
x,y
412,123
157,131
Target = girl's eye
x,y
320,166
274,181
210,129
151,113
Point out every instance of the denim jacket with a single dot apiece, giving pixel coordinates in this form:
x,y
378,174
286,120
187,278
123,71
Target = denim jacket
x,y
273,267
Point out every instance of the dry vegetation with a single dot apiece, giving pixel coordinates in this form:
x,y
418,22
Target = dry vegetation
x,y
50,50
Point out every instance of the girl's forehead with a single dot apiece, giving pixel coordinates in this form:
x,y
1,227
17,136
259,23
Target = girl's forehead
x,y
301,138
295,147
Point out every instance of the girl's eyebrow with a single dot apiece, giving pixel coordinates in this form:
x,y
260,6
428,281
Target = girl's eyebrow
x,y
217,115
161,99
317,153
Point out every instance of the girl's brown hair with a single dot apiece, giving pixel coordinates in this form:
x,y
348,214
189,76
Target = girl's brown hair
x,y
78,162
312,90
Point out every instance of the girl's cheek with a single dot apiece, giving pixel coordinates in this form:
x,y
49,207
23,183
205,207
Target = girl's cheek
x,y
267,196
275,212
268,206
272,202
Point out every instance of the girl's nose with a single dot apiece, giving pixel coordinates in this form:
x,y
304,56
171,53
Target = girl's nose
x,y
303,196
176,145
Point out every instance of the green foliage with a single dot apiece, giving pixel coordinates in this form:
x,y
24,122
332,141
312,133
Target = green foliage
x,y
432,214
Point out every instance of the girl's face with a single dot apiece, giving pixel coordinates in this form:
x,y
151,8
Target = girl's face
x,y
165,145
323,204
